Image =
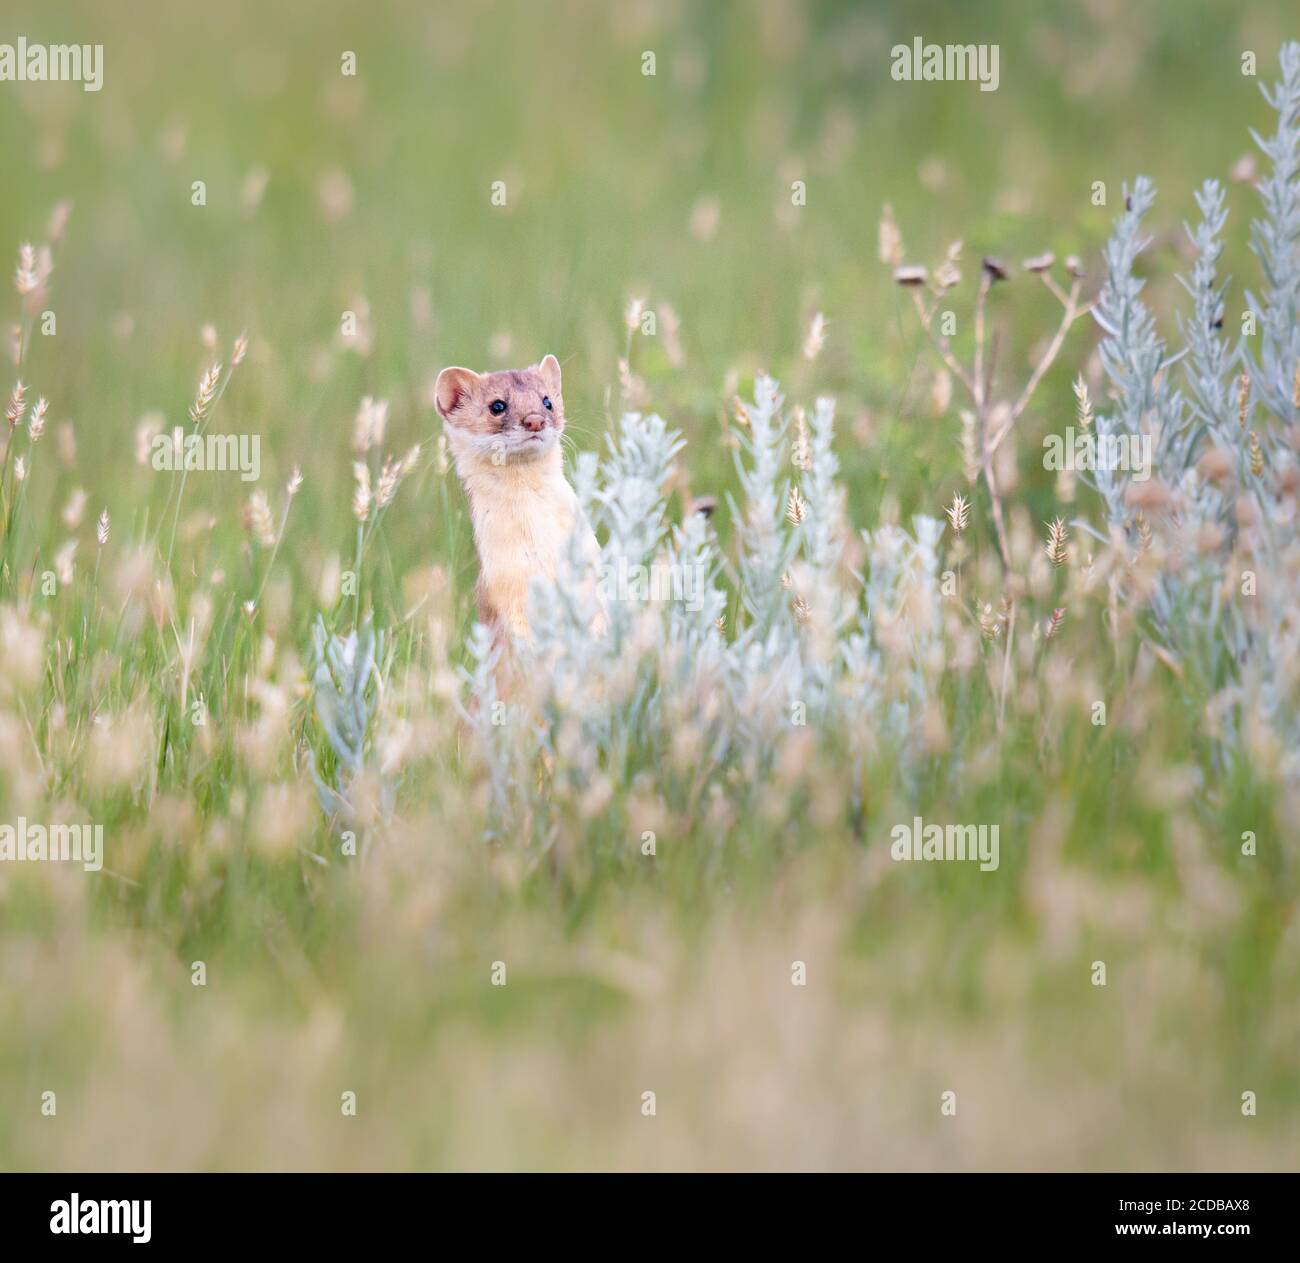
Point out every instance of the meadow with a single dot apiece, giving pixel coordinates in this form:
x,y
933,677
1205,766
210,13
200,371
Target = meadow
x,y
354,912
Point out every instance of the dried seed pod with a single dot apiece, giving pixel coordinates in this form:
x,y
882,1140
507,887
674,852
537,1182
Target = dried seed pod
x,y
1057,539
1215,464
889,239
947,275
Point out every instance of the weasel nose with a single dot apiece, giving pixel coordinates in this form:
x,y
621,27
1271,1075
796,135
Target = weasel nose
x,y
534,421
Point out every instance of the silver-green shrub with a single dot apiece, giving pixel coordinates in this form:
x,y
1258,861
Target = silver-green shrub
x,y
1222,411
622,677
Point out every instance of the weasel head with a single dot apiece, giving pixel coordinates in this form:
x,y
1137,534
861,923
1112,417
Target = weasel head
x,y
507,418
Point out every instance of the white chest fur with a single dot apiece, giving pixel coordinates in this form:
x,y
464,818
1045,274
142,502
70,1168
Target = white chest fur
x,y
523,515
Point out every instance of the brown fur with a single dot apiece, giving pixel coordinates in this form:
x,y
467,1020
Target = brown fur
x,y
464,397
522,507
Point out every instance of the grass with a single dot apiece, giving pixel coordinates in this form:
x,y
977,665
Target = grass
x,y
328,974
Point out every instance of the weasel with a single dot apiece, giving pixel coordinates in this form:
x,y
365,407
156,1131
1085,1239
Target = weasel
x,y
504,430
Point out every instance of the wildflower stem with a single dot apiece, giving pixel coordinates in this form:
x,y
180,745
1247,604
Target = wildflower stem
x,y
1071,313
981,303
941,345
1006,665
266,574
356,595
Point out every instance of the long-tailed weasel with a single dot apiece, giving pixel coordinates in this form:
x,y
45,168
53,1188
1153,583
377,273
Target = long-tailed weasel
x,y
504,433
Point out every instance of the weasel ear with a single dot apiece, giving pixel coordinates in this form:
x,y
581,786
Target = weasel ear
x,y
455,386
550,371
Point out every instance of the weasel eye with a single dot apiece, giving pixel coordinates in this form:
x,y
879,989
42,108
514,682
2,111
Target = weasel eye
x,y
546,402
498,407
